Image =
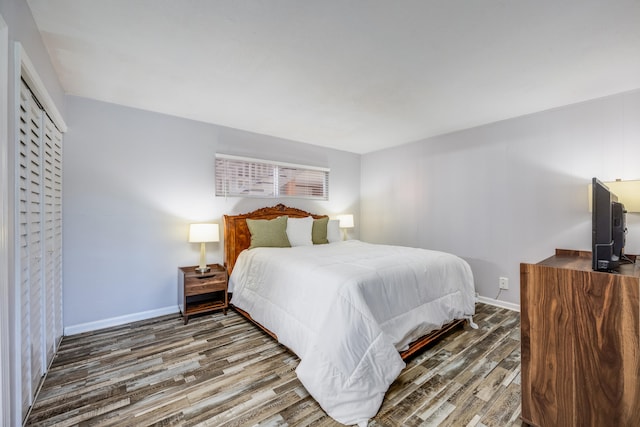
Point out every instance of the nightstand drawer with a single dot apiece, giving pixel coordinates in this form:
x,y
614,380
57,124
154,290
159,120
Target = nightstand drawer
x,y
203,285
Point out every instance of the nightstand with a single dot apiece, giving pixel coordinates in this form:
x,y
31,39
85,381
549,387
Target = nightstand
x,y
202,293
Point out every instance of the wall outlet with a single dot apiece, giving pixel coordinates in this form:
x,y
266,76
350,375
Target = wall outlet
x,y
504,283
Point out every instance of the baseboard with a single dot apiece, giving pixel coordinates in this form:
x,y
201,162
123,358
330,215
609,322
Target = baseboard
x,y
499,303
120,320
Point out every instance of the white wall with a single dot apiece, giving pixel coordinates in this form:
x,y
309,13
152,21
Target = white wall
x,y
134,180
505,193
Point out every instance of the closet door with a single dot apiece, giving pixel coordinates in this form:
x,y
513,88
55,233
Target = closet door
x,y
52,179
29,270
39,243
37,231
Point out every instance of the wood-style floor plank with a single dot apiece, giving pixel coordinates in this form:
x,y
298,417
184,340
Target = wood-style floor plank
x,y
222,371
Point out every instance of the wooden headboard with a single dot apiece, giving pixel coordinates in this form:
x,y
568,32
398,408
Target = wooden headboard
x,y
236,233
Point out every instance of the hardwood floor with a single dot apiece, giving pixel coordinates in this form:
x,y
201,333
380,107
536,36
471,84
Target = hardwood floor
x,y
222,371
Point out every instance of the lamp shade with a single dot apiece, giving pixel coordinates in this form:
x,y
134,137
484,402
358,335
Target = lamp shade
x,y
201,233
628,193
346,221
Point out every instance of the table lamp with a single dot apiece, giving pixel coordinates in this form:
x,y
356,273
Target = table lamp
x,y
203,233
346,221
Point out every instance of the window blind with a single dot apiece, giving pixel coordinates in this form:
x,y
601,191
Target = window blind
x,y
246,177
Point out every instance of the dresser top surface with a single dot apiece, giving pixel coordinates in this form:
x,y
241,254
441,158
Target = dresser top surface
x,y
581,261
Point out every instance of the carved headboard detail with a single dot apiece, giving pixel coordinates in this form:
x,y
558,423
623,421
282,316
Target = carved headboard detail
x,y
236,232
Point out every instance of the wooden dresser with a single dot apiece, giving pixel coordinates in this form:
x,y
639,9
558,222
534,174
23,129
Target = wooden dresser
x,y
580,343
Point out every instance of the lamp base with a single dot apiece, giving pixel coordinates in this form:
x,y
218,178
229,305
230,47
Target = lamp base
x,y
202,270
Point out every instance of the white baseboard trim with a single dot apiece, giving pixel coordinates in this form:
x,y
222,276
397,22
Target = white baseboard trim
x,y
120,320
499,303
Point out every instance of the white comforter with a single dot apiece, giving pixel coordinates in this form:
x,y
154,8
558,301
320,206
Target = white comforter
x,y
347,308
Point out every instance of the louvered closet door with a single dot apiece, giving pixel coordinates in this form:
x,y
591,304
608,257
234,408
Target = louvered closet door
x,y
39,228
30,254
52,178
57,235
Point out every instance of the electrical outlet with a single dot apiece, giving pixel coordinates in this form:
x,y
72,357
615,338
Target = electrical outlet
x,y
504,283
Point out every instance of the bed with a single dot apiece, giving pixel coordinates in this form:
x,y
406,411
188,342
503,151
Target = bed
x,y
351,311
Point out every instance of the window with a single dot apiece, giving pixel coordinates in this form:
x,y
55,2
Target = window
x,y
246,177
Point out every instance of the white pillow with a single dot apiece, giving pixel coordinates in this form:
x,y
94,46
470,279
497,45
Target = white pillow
x,y
333,231
299,231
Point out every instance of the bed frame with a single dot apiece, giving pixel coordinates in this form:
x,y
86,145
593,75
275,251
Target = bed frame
x,y
238,238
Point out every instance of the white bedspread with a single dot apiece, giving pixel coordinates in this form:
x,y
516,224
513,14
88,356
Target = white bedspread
x,y
347,308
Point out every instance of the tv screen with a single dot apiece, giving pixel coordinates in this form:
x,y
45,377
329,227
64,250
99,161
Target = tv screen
x,y
608,228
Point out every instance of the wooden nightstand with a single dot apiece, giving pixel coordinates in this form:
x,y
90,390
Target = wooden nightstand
x,y
201,293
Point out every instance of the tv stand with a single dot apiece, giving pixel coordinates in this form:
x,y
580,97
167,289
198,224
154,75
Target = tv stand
x,y
580,342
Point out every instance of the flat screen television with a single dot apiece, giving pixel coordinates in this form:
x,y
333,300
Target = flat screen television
x,y
608,228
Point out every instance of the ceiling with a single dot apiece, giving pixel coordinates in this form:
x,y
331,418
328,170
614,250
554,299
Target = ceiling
x,y
356,75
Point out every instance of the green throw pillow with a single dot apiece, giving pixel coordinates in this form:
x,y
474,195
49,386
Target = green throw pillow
x,y
271,233
319,231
